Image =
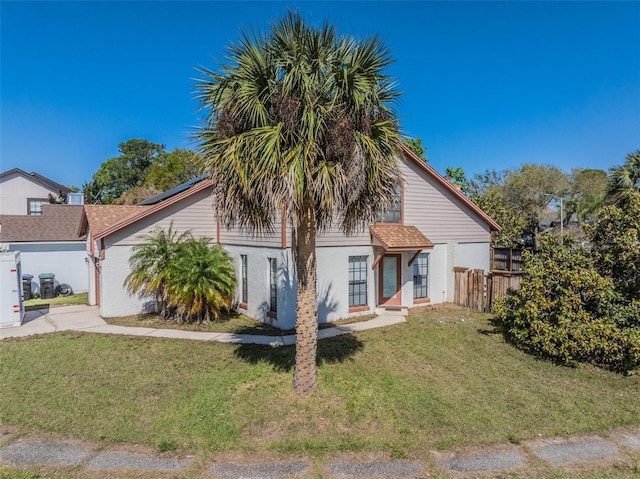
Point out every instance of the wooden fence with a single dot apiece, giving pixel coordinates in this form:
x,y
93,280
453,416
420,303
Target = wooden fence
x,y
473,289
469,288
507,259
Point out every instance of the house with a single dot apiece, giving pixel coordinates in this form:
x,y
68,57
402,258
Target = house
x,y
95,219
23,193
405,259
49,243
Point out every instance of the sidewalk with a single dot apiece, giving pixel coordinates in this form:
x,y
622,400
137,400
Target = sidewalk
x,y
87,319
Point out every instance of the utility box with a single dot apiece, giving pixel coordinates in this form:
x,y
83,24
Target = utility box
x,y
47,286
11,305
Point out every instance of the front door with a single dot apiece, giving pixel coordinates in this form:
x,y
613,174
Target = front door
x,y
390,280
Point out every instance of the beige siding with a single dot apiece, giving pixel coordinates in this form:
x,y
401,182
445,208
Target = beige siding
x,y
14,191
436,212
194,214
242,237
335,237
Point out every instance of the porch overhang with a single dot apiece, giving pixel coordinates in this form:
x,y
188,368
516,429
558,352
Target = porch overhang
x,y
398,238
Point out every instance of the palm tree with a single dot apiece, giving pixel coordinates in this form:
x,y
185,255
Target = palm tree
x,y
150,262
202,281
304,118
625,178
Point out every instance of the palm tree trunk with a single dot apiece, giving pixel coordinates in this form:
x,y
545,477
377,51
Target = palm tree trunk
x,y
304,380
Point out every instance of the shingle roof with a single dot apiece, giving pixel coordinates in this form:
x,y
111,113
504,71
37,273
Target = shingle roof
x,y
399,238
101,217
57,223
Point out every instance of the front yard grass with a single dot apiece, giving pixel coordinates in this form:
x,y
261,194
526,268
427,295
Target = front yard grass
x,y
38,303
442,380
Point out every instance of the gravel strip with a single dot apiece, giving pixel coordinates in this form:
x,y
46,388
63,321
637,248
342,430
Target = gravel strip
x,y
111,461
373,469
260,471
631,441
27,453
492,461
559,452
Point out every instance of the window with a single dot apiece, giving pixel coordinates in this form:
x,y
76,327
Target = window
x,y
243,281
357,281
420,276
273,285
34,206
393,214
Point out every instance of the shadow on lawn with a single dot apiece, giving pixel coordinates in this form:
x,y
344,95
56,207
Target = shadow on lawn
x,y
330,350
498,327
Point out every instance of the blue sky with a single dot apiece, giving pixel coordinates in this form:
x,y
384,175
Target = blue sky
x,y
486,84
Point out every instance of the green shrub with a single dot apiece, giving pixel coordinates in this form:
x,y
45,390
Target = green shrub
x,y
201,282
568,312
615,240
190,280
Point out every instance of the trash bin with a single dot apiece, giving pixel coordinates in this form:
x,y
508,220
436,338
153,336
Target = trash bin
x,y
47,288
26,286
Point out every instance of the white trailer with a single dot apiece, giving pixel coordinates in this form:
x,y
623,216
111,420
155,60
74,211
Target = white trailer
x,y
11,305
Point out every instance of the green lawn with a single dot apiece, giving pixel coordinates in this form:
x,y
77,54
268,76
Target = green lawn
x,y
80,298
444,379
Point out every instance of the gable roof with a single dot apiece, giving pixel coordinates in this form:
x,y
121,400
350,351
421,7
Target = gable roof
x,y
36,178
101,217
424,166
200,183
144,211
57,223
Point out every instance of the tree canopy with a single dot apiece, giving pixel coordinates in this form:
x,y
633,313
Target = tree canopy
x,y
415,145
143,169
303,118
517,198
625,178
587,194
457,177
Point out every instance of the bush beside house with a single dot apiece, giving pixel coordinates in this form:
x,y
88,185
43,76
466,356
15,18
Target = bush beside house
x,y
581,305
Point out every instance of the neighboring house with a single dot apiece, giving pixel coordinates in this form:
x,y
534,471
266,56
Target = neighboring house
x,y
23,193
49,243
406,259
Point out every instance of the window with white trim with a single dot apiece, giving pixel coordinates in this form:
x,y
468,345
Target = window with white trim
x,y
34,206
244,293
421,276
393,214
357,281
273,285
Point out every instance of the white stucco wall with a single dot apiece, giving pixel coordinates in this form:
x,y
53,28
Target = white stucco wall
x,y
258,283
333,279
64,259
91,279
114,299
333,282
473,255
